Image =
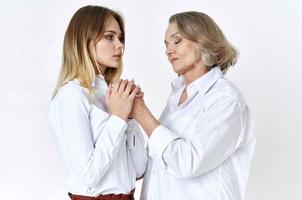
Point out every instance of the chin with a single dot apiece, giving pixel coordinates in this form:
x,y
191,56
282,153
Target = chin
x,y
177,69
114,65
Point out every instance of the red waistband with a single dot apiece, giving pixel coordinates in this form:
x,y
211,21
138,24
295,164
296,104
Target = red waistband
x,y
104,197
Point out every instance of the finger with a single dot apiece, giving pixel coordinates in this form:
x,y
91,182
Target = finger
x,y
129,87
116,85
133,87
139,90
134,92
140,95
123,85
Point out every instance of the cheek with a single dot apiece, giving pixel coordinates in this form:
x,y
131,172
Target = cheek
x,y
187,54
103,52
192,54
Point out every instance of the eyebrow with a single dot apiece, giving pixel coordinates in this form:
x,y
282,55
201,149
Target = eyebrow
x,y
114,32
172,35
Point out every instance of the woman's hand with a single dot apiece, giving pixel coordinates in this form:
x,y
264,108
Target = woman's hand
x,y
138,105
140,95
143,116
120,98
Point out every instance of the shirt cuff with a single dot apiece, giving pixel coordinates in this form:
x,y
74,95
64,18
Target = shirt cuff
x,y
159,140
117,124
116,127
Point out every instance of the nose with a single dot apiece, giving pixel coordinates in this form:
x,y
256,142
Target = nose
x,y
119,45
169,50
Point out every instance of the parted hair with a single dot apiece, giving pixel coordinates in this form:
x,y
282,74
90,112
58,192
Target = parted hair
x,y
86,27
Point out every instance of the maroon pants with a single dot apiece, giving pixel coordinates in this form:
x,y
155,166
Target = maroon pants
x,y
104,197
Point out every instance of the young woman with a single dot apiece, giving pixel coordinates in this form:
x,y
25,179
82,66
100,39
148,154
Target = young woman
x,y
202,145
103,151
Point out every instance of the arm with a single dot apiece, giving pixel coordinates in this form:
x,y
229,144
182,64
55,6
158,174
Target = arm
x,y
74,123
215,139
88,161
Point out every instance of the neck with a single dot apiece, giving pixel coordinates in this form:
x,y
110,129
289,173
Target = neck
x,y
196,72
100,70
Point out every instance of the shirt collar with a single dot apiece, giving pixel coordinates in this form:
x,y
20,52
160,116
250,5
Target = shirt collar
x,y
202,84
178,83
100,83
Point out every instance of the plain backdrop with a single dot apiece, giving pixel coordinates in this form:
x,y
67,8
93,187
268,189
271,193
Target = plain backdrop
x,y
268,35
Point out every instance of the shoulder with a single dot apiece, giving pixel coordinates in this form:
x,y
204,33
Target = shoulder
x,y
224,89
72,92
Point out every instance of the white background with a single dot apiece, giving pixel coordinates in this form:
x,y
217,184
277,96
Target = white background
x,y
268,35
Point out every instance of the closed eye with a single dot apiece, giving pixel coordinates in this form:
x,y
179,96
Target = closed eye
x,y
177,41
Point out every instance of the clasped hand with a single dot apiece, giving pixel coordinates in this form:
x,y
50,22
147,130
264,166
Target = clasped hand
x,y
123,99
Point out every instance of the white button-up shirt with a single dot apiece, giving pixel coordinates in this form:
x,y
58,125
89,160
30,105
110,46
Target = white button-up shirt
x,y
102,153
203,148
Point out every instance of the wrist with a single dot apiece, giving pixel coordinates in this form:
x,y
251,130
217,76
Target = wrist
x,y
147,121
141,115
125,118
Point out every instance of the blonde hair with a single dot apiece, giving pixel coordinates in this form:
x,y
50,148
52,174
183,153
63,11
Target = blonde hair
x,y
200,28
85,28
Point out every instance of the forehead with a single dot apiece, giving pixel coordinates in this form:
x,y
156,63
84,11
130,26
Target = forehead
x,y
171,29
113,24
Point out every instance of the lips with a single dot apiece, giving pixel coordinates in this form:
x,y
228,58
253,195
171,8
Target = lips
x,y
173,59
117,56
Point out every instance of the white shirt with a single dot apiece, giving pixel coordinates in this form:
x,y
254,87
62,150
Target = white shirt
x,y
102,153
203,148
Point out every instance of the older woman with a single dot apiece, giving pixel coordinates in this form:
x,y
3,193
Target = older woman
x,y
202,145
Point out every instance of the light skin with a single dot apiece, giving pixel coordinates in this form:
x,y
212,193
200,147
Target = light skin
x,y
108,53
186,59
109,49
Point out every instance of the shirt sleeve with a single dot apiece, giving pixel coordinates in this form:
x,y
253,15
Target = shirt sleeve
x,y
89,161
136,145
215,138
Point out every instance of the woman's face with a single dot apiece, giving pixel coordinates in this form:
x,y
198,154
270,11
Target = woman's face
x,y
182,53
109,48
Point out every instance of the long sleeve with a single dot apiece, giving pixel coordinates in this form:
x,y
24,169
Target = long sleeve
x,y
136,144
70,117
216,137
